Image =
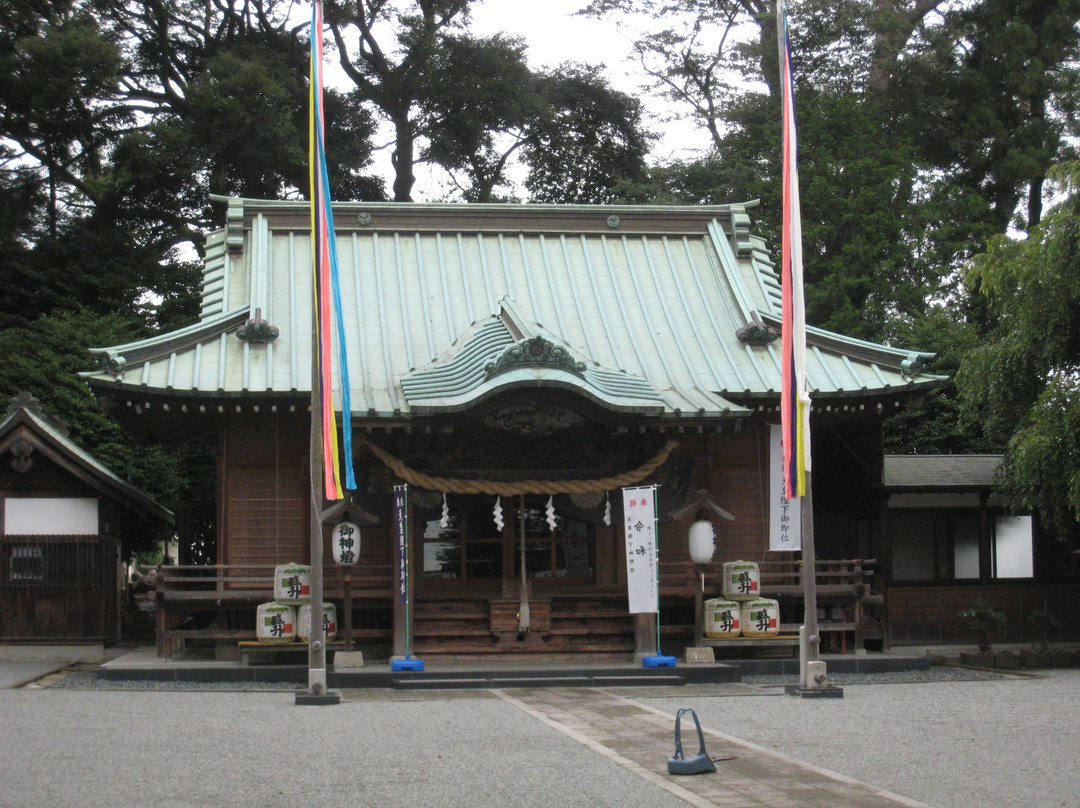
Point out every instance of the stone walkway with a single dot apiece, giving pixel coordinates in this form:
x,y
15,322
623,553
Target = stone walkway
x,y
631,734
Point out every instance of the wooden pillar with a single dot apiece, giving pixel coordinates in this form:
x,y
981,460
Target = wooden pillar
x,y
809,576
644,635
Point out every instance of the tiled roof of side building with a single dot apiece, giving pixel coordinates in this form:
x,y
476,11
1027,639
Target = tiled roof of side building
x,y
941,472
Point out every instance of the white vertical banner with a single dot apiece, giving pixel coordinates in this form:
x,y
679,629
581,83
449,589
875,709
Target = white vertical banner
x,y
785,522
639,514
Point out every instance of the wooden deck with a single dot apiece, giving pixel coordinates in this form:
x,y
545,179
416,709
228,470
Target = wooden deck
x,y
853,611
218,604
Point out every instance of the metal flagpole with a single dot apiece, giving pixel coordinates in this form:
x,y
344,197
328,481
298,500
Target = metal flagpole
x,y
656,551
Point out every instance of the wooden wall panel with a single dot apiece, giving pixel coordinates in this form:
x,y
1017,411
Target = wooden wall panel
x,y
928,614
266,516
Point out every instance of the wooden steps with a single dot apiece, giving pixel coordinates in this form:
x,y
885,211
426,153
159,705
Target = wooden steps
x,y
561,625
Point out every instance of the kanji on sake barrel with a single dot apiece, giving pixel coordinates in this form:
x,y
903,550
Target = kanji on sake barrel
x,y
723,619
292,584
742,580
275,623
760,618
303,630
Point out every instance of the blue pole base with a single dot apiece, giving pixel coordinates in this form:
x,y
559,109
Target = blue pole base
x,y
409,664
658,661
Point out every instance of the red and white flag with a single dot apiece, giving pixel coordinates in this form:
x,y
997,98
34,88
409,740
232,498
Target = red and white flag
x,y
794,398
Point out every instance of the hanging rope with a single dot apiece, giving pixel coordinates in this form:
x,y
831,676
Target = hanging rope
x,y
454,485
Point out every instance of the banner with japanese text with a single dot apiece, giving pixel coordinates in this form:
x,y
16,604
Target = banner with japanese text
x,y
785,515
401,540
639,515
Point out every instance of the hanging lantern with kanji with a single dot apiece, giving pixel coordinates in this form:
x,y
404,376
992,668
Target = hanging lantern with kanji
x,y
345,540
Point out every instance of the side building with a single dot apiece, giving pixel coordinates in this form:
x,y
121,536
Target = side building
x,y
63,518
950,540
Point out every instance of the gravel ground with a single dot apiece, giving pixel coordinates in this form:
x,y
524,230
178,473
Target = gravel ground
x,y
101,749
986,743
947,737
87,680
934,674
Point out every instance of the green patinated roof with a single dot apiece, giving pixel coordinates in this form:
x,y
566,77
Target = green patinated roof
x,y
646,305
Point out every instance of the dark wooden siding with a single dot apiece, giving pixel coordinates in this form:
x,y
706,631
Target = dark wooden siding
x,y
266,518
927,614
56,588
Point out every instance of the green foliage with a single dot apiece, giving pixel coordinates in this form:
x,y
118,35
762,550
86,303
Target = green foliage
x,y
934,425
586,141
45,358
472,106
1020,384
982,619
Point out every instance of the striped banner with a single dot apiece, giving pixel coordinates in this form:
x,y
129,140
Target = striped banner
x,y
327,286
794,399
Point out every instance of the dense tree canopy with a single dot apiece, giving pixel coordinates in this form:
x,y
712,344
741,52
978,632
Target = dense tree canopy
x,y
927,129
472,105
1022,382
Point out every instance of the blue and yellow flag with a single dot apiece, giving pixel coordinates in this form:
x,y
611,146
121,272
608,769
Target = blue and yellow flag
x,y
327,287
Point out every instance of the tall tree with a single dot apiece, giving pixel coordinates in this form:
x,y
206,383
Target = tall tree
x,y
1021,384
1008,91
923,126
117,122
585,144
390,51
472,106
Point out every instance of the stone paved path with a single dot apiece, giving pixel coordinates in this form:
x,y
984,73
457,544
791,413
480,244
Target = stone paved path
x,y
641,739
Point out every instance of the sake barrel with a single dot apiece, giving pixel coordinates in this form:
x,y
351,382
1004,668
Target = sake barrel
x,y
742,580
292,584
722,619
303,623
275,623
760,618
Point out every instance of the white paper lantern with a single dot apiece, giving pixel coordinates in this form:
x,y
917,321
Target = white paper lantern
x,y
702,541
345,541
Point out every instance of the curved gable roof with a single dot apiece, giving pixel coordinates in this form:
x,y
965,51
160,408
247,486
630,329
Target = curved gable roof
x,y
654,301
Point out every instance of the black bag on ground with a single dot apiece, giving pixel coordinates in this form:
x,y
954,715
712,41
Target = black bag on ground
x,y
699,763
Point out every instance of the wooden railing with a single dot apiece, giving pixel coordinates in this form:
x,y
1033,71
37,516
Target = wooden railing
x,y
843,587
183,592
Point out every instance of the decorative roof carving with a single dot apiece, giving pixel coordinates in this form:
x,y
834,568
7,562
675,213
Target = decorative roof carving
x,y
111,362
234,225
257,331
756,332
535,351
24,401
22,449
913,365
528,418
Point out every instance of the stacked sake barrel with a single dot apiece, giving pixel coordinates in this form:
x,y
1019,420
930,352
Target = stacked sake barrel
x,y
303,623
723,619
288,617
275,622
741,610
